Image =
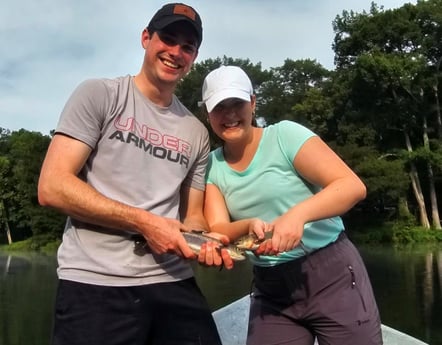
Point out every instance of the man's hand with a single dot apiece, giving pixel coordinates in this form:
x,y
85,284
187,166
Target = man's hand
x,y
163,235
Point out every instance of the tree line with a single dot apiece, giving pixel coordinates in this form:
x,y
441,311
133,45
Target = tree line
x,y
379,109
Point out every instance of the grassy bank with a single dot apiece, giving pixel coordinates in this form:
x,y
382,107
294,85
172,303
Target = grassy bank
x,y
41,244
395,233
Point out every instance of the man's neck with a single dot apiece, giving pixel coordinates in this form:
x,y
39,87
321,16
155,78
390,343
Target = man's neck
x,y
160,95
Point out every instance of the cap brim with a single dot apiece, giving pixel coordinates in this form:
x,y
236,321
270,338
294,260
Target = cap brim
x,y
220,96
160,25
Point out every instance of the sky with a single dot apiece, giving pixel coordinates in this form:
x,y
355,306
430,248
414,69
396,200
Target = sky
x,y
47,47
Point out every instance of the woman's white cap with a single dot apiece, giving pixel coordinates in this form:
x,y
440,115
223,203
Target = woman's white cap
x,y
225,82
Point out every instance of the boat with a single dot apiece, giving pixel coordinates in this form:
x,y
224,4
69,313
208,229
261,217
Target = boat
x,y
232,319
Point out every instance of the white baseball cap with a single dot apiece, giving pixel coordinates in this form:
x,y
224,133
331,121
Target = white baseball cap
x,y
225,82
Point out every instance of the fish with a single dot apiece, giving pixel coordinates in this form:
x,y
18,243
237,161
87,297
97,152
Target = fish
x,y
196,238
251,241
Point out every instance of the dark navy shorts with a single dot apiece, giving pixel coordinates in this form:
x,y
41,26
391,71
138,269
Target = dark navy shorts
x,y
325,295
159,314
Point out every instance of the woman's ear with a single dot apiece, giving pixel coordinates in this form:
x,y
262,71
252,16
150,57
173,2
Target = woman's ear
x,y
253,103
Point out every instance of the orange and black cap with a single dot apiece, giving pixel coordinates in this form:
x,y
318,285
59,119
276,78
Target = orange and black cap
x,y
174,12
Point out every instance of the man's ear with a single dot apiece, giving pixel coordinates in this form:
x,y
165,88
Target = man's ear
x,y
145,38
196,55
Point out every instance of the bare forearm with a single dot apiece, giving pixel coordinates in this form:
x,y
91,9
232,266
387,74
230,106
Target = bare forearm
x,y
196,223
191,208
60,187
334,200
79,200
232,229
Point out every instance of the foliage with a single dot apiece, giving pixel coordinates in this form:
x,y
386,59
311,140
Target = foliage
x,y
288,86
369,235
416,235
386,180
21,157
395,66
396,233
39,243
379,110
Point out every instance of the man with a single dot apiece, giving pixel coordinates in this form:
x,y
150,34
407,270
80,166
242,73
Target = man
x,y
127,165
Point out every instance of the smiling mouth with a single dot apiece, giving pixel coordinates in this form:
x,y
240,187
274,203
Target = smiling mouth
x,y
232,124
170,64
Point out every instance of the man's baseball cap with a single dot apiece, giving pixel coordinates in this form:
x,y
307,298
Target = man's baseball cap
x,y
174,12
225,82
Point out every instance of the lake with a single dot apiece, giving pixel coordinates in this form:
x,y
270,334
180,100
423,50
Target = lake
x,y
407,282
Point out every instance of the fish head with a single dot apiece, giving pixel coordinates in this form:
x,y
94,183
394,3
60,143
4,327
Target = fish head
x,y
235,253
247,242
251,241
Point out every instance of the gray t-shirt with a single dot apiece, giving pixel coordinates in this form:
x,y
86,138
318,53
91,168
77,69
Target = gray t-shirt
x,y
141,155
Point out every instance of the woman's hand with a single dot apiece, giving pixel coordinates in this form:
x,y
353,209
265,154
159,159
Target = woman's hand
x,y
287,232
259,228
212,255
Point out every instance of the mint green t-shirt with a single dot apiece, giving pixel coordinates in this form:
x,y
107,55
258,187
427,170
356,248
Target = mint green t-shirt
x,y
270,186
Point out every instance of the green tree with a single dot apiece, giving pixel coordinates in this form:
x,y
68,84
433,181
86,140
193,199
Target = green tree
x,y
287,86
5,174
388,55
21,157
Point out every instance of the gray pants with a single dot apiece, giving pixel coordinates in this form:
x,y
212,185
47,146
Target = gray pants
x,y
327,295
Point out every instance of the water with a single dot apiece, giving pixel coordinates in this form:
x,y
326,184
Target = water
x,y
407,284
27,288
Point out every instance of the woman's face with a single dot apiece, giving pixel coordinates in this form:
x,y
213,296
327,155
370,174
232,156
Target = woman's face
x,y
231,119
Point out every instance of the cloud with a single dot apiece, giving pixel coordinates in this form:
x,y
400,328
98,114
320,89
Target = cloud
x,y
48,47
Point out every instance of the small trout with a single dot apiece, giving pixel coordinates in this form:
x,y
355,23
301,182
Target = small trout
x,y
196,238
251,241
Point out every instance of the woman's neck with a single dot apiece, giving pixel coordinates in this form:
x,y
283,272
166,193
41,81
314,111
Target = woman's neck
x,y
239,154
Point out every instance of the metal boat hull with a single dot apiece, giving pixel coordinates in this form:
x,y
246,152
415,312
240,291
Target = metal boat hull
x,y
232,321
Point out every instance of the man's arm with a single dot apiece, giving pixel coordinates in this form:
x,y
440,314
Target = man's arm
x,y
60,187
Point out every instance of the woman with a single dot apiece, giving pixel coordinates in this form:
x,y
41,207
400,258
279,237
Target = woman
x,y
310,280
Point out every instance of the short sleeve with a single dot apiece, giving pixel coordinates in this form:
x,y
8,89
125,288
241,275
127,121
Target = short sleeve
x,y
292,136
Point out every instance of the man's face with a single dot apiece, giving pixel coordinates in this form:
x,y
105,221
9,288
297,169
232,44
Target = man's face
x,y
171,51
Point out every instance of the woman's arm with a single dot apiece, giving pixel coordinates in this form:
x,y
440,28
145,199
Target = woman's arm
x,y
217,216
341,190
